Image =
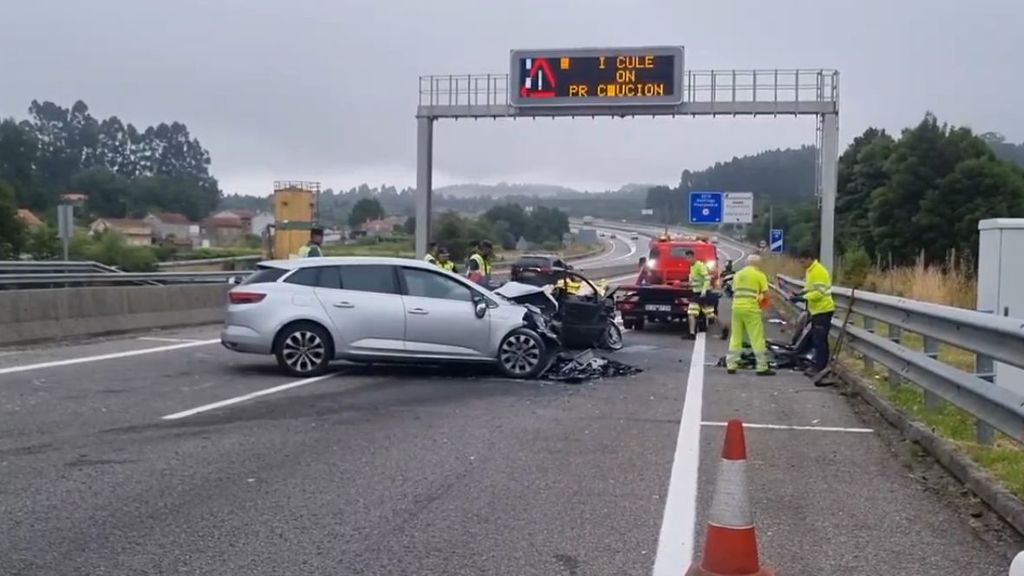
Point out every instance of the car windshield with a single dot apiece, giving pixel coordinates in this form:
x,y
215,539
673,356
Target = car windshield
x,y
534,261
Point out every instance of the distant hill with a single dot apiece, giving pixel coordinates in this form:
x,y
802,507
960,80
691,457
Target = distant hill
x,y
779,177
503,189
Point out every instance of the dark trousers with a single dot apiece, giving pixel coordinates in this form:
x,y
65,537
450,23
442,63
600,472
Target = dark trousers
x,y
820,326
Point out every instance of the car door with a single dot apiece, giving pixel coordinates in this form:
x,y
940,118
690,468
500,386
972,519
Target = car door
x,y
366,307
440,319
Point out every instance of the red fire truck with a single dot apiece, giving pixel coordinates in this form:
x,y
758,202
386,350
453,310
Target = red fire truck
x,y
661,292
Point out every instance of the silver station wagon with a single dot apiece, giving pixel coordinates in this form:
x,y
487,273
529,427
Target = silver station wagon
x,y
308,312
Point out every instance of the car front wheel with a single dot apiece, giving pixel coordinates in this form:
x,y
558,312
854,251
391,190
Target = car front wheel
x,y
521,354
304,350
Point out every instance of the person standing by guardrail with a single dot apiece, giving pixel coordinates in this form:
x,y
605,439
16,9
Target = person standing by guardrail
x,y
817,293
750,289
312,248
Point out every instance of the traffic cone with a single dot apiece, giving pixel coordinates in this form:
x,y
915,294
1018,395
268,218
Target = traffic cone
x,y
730,542
1017,567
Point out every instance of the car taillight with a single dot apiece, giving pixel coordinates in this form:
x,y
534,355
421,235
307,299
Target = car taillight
x,y
245,297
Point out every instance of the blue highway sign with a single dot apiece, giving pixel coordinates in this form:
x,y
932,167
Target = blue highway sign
x,y
705,207
777,240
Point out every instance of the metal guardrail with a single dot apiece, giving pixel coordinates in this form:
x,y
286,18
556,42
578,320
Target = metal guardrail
x,y
989,337
54,266
254,258
106,279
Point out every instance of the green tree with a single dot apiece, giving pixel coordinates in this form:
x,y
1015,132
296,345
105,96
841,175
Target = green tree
x,y
861,172
365,209
12,229
979,188
109,193
42,243
920,160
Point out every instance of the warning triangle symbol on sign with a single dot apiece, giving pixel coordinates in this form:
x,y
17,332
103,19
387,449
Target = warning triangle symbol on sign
x,y
541,81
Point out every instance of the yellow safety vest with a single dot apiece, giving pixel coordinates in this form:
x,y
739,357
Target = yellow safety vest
x,y
749,285
700,278
483,266
310,251
429,258
818,289
449,265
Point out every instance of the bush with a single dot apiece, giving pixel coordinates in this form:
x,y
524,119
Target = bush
x,y
854,267
112,249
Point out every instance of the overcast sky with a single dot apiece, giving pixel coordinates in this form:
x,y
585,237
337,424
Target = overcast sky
x,y
327,90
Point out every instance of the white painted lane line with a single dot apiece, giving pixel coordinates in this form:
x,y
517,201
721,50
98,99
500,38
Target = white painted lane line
x,y
101,357
676,541
243,398
788,427
162,339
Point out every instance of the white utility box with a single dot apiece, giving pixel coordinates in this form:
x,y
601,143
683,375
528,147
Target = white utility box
x,y
1001,282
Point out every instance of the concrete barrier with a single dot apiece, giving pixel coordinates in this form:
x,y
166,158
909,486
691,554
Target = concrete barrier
x,y
36,315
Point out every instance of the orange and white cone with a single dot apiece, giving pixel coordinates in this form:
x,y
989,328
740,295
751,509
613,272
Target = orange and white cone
x,y
730,542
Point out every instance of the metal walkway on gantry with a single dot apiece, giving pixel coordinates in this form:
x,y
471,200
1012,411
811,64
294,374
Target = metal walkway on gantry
x,y
774,92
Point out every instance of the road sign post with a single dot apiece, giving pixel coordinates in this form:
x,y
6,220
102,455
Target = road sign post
x,y
705,207
65,225
777,241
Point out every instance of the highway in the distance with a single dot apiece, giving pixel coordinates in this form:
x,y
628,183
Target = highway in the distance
x,y
163,453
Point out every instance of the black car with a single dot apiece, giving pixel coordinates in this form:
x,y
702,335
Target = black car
x,y
539,269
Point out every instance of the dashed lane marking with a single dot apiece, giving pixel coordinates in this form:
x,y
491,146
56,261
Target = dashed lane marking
x,y
162,339
245,397
101,357
789,427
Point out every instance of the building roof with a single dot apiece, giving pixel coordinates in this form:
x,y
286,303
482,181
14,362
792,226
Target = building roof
x,y
126,225
171,217
30,219
243,213
222,222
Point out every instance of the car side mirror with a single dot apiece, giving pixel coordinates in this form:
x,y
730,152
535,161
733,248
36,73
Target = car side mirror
x,y
479,308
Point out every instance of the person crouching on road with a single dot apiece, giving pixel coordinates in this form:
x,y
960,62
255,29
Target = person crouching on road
x,y
750,289
444,261
700,283
818,295
431,256
312,248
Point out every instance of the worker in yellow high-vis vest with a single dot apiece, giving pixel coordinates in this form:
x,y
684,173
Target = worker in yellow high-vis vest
x,y
818,295
700,284
312,248
750,289
478,269
431,256
444,260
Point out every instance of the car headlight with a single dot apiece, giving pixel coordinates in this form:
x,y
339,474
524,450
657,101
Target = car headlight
x,y
711,265
651,263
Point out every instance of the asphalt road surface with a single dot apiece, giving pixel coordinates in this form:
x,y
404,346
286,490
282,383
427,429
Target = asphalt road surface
x,y
163,453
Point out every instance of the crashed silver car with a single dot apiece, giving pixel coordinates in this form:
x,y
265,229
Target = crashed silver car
x,y
308,312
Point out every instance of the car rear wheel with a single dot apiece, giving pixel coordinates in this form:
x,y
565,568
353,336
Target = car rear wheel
x,y
304,350
521,354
